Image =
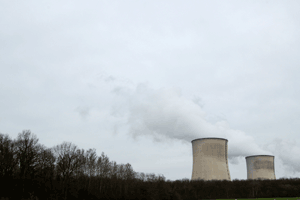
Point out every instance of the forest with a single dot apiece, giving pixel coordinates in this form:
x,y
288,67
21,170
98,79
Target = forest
x,y
32,171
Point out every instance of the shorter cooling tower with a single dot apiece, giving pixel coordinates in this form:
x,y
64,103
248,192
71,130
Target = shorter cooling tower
x,y
260,166
210,159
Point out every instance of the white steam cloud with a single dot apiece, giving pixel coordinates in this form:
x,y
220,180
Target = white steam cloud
x,y
287,151
165,114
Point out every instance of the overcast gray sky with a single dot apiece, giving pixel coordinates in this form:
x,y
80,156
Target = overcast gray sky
x,y
138,80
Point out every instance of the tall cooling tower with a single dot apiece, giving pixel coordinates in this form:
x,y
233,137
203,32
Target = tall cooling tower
x,y
210,159
260,166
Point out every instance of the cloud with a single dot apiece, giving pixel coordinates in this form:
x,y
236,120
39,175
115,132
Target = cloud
x,y
110,78
165,115
83,111
287,151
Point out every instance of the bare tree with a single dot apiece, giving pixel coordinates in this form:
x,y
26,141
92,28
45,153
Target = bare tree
x,y
46,163
255,187
91,161
161,177
142,176
88,168
129,176
8,156
28,153
103,168
151,177
69,159
114,169
80,171
129,172
121,171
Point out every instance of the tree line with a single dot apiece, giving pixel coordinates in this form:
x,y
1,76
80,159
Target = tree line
x,y
29,170
63,171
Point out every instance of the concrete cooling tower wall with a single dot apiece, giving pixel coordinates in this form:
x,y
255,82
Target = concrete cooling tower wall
x,y
210,159
260,166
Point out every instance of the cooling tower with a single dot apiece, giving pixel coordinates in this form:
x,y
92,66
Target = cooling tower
x,y
260,166
210,159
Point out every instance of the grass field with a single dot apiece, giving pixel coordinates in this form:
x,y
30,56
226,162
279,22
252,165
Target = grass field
x,y
279,198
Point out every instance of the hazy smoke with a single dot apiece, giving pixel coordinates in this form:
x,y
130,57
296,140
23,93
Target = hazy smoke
x,y
165,114
287,151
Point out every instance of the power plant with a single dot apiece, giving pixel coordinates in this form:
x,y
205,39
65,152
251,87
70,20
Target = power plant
x,y
260,166
210,159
